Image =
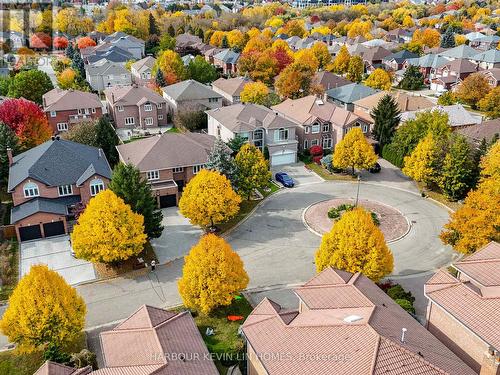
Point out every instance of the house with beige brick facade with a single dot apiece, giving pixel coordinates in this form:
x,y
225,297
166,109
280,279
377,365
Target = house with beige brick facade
x,y
48,181
142,70
318,122
168,161
191,95
150,341
464,309
260,126
344,324
136,107
230,89
66,108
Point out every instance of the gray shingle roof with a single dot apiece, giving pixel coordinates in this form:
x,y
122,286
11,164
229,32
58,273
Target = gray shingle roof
x,y
350,93
490,56
228,56
58,162
190,90
48,205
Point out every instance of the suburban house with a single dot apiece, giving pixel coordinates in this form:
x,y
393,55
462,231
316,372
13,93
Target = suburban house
x,y
328,80
399,35
92,55
373,58
47,181
396,60
449,74
487,60
319,123
405,102
168,161
227,61
464,309
485,42
344,324
458,116
487,130
142,70
104,74
260,126
191,95
493,76
426,63
129,43
150,341
136,107
15,39
65,108
230,89
462,51
346,95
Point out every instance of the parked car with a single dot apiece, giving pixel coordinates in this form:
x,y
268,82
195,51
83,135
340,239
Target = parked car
x,y
375,169
284,179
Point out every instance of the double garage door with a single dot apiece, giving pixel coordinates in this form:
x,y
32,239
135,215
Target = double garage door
x,y
283,158
34,232
168,201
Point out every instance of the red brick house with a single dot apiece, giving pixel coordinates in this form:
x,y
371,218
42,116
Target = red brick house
x,y
65,108
168,161
464,310
48,181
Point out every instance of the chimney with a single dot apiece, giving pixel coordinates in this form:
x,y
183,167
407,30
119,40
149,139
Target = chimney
x,y
491,362
9,156
403,334
53,138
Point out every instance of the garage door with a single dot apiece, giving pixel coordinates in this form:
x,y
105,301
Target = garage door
x,y
53,229
168,201
32,232
282,159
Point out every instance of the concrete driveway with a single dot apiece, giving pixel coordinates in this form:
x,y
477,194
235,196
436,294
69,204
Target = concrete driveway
x,y
299,173
55,252
177,238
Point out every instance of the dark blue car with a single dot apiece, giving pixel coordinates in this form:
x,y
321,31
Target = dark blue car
x,y
285,179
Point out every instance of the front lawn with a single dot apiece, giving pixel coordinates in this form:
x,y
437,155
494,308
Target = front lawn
x,y
437,196
225,343
9,268
14,363
326,175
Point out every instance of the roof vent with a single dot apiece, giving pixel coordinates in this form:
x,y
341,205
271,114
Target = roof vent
x,y
319,102
403,334
352,318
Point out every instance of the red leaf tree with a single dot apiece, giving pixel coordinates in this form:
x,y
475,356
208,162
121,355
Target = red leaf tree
x,y
27,120
60,42
85,42
40,41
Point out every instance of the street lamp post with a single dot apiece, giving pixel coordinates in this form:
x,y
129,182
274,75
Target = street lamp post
x,y
357,193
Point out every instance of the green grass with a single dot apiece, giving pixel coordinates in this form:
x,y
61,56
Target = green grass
x,y
14,363
437,196
323,173
173,130
12,253
225,339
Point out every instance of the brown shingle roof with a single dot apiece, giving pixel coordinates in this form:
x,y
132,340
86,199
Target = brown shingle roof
x,y
474,299
132,95
231,86
170,150
63,100
347,325
486,130
405,102
53,368
329,80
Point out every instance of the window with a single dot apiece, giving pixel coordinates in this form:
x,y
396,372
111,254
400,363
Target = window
x,y
327,142
31,190
87,111
153,175
197,168
80,111
315,129
129,121
62,126
119,108
306,144
53,113
93,110
148,121
218,130
326,128
314,142
96,186
65,190
244,136
213,100
148,107
159,106
160,117
178,170
281,135
365,128
307,129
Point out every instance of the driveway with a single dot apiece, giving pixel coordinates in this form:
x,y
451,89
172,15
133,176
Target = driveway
x,y
299,173
55,253
177,238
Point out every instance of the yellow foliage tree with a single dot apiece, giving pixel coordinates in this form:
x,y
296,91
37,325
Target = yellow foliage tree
x,y
274,22
66,78
428,37
209,199
253,170
341,62
408,22
473,88
355,244
43,310
421,165
108,230
379,79
170,63
216,38
307,57
490,165
212,275
354,151
320,50
359,28
460,39
254,92
236,39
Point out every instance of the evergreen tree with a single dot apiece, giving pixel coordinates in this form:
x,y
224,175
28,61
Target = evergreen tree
x,y
413,79
236,143
153,27
171,31
128,184
386,117
224,43
457,172
220,160
201,70
77,63
8,139
70,51
199,33
107,140
160,78
448,39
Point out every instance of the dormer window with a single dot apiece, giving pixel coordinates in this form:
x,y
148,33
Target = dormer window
x,y
31,190
53,113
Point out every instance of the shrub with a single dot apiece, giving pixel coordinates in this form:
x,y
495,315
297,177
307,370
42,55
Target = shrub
x,y
317,159
316,151
405,304
326,162
376,221
333,213
392,156
397,292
